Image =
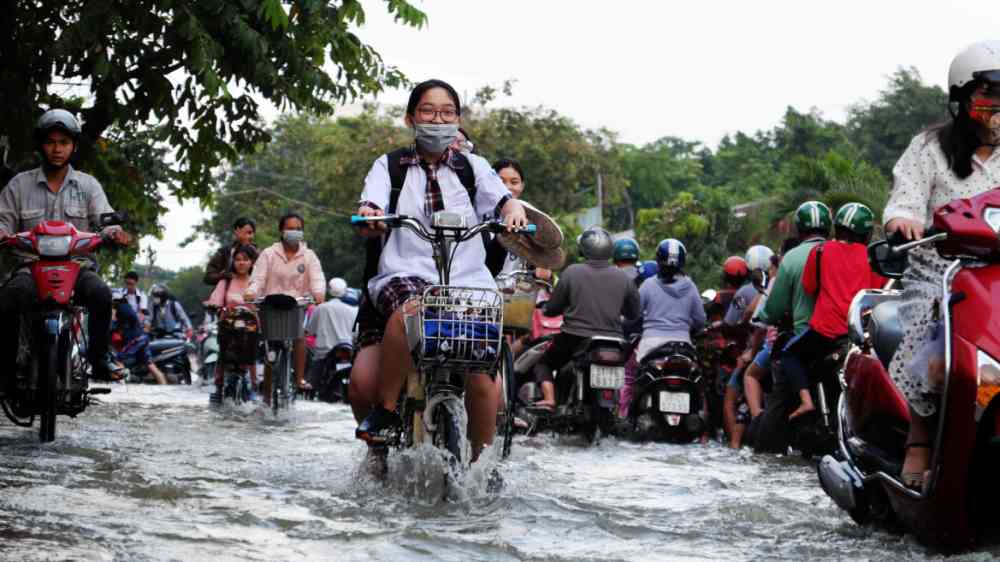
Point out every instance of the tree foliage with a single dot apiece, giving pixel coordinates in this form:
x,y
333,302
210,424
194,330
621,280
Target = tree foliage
x,y
672,187
187,74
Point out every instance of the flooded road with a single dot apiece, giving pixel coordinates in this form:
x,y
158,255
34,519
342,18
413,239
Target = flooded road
x,y
152,473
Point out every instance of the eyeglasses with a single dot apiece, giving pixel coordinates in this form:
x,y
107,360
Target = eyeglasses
x,y
447,115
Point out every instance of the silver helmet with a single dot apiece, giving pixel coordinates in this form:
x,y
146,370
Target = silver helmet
x,y
595,244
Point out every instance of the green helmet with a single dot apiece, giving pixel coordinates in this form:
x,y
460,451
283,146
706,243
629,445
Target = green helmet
x,y
813,215
626,249
855,217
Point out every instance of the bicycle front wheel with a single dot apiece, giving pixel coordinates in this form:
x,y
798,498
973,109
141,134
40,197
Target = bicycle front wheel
x,y
281,386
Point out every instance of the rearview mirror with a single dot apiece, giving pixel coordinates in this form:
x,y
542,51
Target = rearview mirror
x,y
885,261
113,219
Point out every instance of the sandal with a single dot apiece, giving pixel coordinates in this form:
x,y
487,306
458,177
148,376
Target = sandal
x,y
915,480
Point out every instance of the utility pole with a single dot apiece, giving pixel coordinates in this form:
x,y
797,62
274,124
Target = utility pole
x,y
600,201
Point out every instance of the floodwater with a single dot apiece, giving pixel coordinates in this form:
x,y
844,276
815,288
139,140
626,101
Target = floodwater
x,y
152,473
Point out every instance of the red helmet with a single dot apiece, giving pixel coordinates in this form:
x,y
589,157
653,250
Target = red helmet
x,y
735,271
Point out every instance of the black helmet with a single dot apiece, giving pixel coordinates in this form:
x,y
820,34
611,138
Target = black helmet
x,y
57,120
158,291
595,244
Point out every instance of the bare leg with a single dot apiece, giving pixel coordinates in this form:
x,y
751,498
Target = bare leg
x,y
918,452
265,386
548,394
157,373
752,389
729,417
806,406
395,359
363,390
299,353
481,397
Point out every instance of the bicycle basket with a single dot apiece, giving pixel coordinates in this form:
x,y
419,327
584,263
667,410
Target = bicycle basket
x,y
460,327
518,310
239,333
281,323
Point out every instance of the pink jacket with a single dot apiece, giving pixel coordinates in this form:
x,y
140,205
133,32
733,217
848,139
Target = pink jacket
x,y
235,295
274,273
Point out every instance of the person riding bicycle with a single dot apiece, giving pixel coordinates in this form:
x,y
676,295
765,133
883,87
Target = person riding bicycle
x,y
167,317
56,191
593,297
220,266
788,298
433,178
498,258
288,267
229,292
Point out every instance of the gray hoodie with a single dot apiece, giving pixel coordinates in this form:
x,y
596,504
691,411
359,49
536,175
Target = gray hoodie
x,y
671,310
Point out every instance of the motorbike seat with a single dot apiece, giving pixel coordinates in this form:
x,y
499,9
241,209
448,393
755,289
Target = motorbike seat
x,y
886,330
165,344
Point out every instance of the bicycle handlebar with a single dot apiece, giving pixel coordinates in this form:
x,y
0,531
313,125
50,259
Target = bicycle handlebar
x,y
462,233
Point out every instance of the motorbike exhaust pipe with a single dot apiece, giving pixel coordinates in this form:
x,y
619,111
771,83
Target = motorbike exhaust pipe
x,y
823,408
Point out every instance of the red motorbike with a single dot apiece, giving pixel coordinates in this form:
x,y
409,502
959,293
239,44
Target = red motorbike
x,y
54,381
957,504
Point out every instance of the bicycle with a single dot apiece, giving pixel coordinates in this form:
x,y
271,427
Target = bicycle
x,y
239,336
455,331
282,320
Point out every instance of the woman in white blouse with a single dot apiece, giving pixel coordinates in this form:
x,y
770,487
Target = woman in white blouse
x,y
432,183
950,161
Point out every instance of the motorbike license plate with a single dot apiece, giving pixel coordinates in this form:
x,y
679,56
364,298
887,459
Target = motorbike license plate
x,y
240,324
675,402
343,366
607,377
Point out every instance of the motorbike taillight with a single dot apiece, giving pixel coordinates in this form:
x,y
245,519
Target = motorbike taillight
x,y
607,356
342,354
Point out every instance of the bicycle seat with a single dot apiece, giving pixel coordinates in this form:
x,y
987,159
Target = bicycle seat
x,y
886,330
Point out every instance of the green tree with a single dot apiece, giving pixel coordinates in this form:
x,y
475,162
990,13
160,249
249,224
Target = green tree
x,y
195,68
882,129
187,288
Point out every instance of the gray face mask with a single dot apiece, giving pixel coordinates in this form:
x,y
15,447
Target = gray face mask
x,y
435,138
293,236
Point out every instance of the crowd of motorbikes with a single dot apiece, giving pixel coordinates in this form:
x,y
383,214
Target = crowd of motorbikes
x,y
858,430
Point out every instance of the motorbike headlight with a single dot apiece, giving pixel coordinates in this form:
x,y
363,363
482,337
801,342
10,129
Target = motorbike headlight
x,y
992,218
54,246
988,379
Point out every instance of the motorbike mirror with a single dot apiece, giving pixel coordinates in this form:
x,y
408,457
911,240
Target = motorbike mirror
x,y
113,219
886,261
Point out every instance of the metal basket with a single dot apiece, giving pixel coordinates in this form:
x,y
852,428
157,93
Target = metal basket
x,y
460,327
278,324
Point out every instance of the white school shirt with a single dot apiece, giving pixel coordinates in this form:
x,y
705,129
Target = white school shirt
x,y
922,180
406,255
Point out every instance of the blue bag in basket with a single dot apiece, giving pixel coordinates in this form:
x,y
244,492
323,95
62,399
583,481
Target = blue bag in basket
x,y
452,337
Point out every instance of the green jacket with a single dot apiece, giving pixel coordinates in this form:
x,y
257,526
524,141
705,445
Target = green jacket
x,y
787,295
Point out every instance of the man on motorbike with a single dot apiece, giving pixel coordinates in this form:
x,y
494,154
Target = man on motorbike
x,y
834,273
220,266
737,416
134,348
626,257
135,297
788,299
592,297
333,321
56,191
736,273
167,317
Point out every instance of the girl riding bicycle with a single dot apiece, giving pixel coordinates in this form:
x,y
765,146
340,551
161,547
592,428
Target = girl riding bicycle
x,y
435,178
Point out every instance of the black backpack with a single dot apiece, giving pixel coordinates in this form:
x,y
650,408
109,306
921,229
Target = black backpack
x,y
397,175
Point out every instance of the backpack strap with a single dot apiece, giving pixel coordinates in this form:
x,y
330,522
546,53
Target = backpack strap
x,y
819,261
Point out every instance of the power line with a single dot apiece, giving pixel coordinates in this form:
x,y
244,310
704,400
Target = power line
x,y
316,208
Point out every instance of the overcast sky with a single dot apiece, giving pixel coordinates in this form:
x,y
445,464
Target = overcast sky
x,y
648,69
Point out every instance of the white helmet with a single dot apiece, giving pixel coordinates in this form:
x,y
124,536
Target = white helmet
x,y
759,258
337,287
979,61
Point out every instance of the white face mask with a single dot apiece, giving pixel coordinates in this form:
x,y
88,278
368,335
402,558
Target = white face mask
x,y
292,236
